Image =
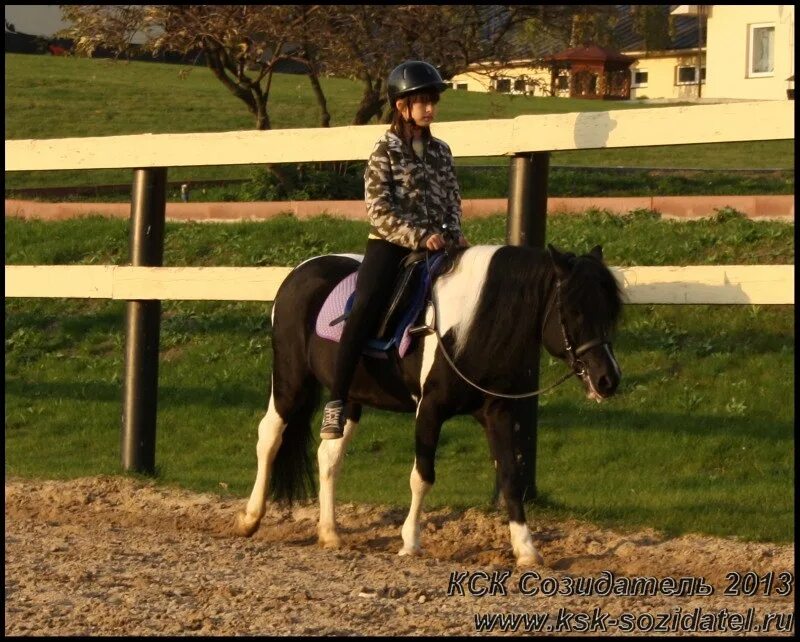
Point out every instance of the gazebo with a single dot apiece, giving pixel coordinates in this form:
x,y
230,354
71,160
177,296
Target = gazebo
x,y
595,72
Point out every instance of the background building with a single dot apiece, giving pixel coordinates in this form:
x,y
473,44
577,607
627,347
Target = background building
x,y
715,51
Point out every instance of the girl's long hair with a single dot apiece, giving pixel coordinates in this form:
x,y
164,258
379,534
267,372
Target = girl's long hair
x,y
399,124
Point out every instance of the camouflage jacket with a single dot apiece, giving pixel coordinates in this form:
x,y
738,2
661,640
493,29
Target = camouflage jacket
x,y
409,198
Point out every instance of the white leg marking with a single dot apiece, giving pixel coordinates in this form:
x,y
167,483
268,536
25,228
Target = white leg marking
x,y
419,488
522,545
329,457
270,431
411,527
429,345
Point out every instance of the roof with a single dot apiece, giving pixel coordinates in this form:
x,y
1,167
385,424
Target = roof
x,y
685,32
591,53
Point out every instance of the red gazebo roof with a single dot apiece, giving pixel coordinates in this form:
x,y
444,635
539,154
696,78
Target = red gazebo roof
x,y
590,53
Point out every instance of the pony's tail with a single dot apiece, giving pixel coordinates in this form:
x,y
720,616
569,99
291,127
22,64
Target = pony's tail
x,y
292,472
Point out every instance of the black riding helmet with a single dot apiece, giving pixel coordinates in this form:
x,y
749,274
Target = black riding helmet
x,y
412,76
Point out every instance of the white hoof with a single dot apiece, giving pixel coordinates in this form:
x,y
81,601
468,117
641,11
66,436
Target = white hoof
x,y
530,561
243,526
330,539
415,552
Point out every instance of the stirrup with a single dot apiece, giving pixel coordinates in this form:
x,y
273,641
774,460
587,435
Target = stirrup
x,y
332,421
421,330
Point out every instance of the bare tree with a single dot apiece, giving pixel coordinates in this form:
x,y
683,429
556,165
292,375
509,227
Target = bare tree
x,y
654,24
570,25
242,44
451,37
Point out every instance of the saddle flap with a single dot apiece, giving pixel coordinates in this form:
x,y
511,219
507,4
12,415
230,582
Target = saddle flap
x,y
403,291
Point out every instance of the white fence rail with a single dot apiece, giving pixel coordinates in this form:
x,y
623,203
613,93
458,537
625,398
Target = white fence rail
x,y
729,284
731,122
143,287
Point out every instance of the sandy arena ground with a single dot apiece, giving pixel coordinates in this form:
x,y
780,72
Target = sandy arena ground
x,y
116,556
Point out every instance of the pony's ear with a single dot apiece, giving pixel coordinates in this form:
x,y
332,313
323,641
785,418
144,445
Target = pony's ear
x,y
597,252
560,261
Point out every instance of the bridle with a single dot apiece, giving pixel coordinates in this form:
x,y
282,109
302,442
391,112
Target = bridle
x,y
577,366
573,354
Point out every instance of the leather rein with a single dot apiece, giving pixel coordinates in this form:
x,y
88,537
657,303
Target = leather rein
x,y
577,366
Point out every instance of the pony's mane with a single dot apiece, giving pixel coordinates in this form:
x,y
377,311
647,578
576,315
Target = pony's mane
x,y
502,335
592,287
501,340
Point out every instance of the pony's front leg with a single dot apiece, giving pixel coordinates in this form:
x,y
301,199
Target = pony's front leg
x,y
423,474
329,457
270,431
505,444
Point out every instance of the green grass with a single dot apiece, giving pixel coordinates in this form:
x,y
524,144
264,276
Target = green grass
x,y
700,438
493,182
54,97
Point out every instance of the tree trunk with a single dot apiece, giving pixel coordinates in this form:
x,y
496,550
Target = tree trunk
x,y
256,103
262,115
325,117
371,106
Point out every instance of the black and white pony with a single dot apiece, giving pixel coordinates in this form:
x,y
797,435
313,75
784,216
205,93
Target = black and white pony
x,y
493,309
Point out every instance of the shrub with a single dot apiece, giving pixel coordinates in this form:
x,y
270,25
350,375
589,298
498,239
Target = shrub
x,y
320,181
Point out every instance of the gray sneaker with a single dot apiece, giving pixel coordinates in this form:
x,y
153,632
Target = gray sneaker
x,y
332,421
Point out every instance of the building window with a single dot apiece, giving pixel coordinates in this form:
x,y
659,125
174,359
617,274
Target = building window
x,y
688,75
562,82
503,85
762,50
519,85
459,85
638,78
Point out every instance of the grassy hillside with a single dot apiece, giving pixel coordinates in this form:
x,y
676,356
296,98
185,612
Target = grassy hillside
x,y
53,97
699,439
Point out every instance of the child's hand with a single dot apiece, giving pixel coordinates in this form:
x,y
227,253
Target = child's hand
x,y
434,242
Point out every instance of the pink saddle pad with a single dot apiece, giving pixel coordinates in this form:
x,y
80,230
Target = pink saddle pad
x,y
334,307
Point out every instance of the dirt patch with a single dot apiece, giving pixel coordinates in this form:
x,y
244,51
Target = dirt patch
x,y
116,556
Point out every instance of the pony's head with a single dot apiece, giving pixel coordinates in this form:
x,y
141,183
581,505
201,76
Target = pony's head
x,y
581,317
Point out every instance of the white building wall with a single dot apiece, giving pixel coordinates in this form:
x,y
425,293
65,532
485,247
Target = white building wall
x,y
729,45
537,81
663,79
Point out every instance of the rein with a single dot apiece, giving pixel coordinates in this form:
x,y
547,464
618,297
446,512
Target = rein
x,y
577,366
573,354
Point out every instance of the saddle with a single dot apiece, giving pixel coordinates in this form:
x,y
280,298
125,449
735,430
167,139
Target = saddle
x,y
398,326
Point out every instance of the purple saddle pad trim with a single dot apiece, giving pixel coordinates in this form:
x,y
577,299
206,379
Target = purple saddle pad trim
x,y
334,307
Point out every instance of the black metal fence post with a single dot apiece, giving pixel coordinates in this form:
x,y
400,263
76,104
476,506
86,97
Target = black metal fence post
x,y
526,223
142,325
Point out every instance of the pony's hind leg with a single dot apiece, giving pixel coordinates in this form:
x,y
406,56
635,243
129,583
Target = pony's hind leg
x,y
270,431
329,456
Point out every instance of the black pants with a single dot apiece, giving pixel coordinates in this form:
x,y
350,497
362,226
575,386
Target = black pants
x,y
374,284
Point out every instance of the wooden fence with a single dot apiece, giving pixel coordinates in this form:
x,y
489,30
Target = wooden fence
x,y
526,140
728,284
